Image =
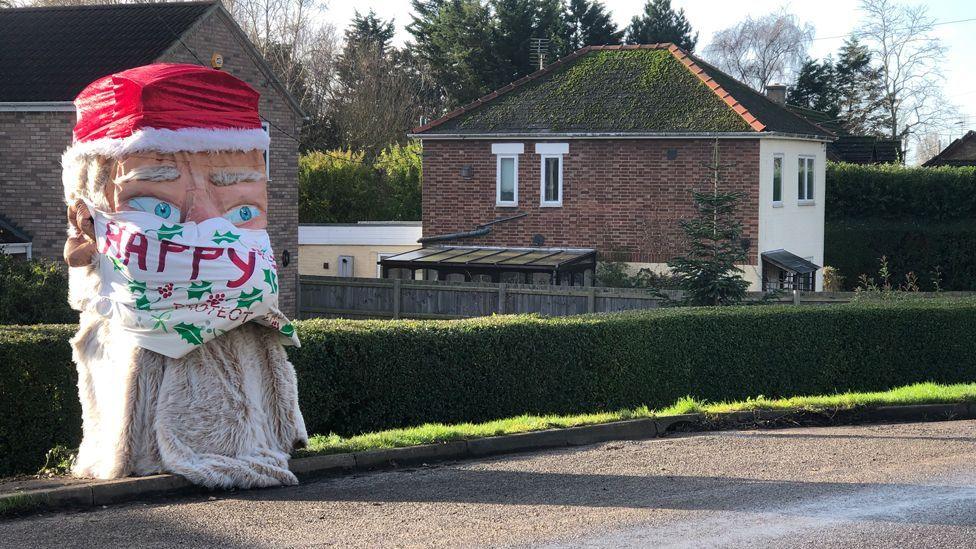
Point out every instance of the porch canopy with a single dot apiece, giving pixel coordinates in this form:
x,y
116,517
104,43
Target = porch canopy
x,y
565,266
787,271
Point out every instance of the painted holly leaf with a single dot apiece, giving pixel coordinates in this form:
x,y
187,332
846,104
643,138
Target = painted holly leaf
x,y
197,289
189,332
272,279
136,286
287,329
246,299
165,232
229,236
143,303
117,264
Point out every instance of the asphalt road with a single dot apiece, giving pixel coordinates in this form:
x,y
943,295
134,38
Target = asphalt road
x,y
911,485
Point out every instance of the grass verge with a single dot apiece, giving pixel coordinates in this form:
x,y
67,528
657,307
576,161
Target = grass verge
x,y
919,393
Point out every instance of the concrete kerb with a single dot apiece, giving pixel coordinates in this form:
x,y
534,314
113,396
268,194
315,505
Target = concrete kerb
x,y
122,490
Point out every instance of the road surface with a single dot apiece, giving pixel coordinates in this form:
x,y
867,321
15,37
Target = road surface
x,y
909,485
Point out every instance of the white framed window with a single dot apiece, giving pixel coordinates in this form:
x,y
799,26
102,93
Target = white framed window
x,y
804,179
777,180
267,151
506,172
551,173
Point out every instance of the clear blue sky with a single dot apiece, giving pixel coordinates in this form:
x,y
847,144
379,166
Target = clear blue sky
x,y
830,17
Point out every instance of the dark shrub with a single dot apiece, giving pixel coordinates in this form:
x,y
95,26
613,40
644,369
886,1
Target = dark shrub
x,y
33,292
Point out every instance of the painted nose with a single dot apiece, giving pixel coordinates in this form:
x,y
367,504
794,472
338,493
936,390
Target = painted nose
x,y
203,208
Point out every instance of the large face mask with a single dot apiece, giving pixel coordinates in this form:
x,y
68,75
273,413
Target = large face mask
x,y
185,257
175,286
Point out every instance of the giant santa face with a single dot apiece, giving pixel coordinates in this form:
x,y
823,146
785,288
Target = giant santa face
x,y
180,359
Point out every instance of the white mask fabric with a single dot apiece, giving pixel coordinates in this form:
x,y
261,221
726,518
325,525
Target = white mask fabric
x,y
174,286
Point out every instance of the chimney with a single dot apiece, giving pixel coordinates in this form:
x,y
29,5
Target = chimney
x,y
776,93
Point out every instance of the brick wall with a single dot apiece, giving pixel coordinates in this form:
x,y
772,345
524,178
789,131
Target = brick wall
x,y
622,197
31,144
31,194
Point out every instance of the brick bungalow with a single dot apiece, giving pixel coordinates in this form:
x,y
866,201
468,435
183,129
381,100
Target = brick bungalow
x,y
600,151
50,54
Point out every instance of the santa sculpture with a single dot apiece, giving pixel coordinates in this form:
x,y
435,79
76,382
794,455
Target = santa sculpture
x,y
181,364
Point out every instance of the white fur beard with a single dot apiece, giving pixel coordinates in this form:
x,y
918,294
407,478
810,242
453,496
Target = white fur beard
x,y
225,415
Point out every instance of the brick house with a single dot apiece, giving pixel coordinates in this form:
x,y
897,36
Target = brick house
x,y
50,54
600,151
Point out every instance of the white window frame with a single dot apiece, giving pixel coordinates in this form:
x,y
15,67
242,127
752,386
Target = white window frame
x,y
772,190
782,168
546,151
267,151
810,170
506,150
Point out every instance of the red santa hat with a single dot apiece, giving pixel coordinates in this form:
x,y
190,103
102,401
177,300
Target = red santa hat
x,y
166,108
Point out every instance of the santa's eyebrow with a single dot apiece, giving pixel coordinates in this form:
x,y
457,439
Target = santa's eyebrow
x,y
150,173
231,176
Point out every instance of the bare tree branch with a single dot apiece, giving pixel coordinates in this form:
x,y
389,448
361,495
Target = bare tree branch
x,y
762,51
910,57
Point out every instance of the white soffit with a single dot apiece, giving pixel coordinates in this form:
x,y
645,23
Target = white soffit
x,y
360,235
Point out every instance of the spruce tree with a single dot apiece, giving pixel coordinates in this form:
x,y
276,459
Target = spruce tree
x,y
709,272
860,91
815,87
589,24
661,23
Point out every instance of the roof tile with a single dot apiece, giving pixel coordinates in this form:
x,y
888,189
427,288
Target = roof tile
x,y
620,89
51,54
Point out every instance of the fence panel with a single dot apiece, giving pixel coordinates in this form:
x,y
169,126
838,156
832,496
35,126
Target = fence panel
x,y
326,296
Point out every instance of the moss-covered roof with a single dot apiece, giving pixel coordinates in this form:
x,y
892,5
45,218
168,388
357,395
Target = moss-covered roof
x,y
609,90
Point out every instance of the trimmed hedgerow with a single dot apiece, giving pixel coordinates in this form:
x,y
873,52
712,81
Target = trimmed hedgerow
x,y
39,405
33,291
360,376
919,218
893,191
937,253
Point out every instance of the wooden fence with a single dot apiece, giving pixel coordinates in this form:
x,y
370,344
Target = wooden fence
x,y
326,296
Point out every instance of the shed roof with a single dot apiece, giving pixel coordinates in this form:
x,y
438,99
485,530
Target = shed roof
x,y
535,259
647,89
858,149
961,152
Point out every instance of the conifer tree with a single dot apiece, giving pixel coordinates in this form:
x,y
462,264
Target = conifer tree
x,y
860,91
661,23
815,87
589,24
709,272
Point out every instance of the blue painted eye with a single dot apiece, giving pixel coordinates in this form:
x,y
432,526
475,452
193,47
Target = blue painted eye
x,y
155,206
242,214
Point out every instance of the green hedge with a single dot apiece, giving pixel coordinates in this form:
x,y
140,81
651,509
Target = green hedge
x,y
357,376
363,376
39,405
33,292
898,192
855,248
919,218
